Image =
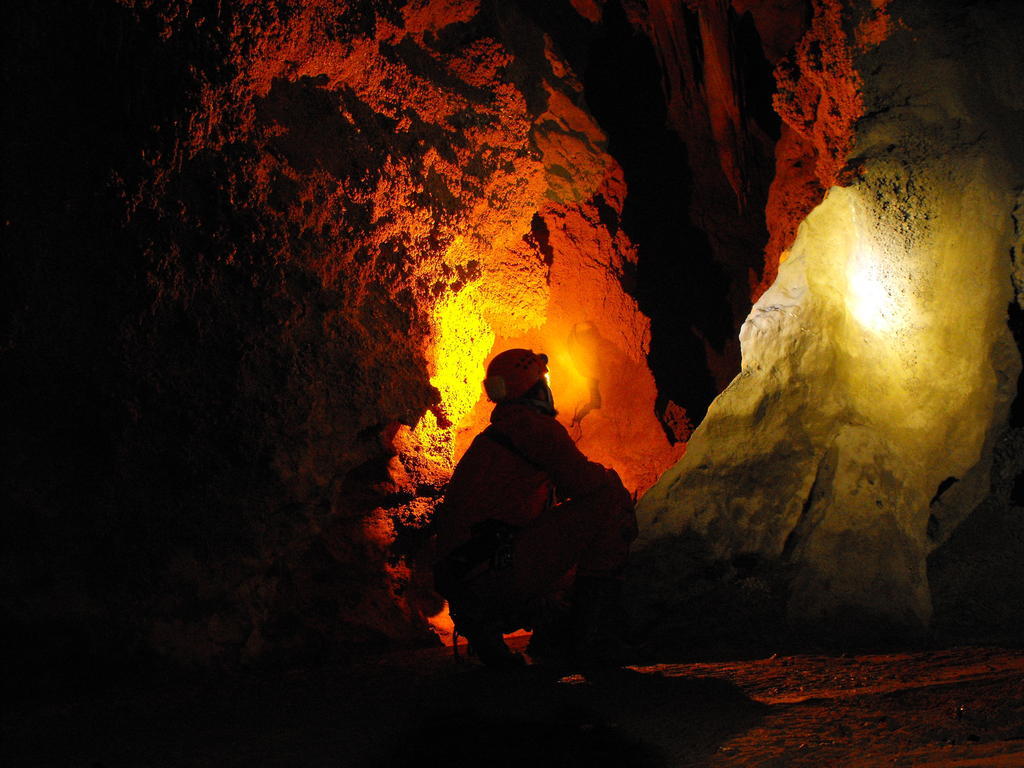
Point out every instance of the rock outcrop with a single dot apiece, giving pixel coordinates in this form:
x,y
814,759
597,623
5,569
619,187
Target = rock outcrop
x,y
878,368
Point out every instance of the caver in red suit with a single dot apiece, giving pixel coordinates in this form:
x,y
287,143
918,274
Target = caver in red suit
x,y
524,510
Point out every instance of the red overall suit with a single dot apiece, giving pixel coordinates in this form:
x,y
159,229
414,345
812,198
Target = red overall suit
x,y
512,478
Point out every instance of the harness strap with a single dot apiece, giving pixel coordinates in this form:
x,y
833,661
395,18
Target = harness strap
x,y
506,442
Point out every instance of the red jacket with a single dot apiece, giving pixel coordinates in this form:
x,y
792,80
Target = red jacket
x,y
493,482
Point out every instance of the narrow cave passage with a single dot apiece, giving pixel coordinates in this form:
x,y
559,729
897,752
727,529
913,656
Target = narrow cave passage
x,y
676,282
695,294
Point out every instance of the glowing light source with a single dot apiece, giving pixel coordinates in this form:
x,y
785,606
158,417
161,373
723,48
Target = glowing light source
x,y
872,297
570,385
464,338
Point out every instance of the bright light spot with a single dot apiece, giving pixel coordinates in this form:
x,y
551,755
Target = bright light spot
x,y
871,298
433,442
464,338
571,386
443,626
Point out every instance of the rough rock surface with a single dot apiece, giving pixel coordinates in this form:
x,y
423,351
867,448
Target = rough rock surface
x,y
878,370
256,255
263,252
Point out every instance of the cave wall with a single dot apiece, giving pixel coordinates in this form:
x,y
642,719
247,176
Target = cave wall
x,y
872,414
263,252
260,254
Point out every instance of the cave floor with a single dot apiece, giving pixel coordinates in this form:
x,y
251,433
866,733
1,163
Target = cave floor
x,y
954,707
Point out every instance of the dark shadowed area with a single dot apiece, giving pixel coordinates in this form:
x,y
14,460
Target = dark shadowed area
x,y
256,257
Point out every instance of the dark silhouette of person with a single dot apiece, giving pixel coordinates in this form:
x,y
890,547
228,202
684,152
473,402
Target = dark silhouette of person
x,y
526,518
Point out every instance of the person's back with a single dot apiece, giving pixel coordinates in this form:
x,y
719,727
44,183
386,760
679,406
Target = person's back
x,y
504,544
511,473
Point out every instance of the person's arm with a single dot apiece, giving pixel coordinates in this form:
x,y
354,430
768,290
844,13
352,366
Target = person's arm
x,y
547,443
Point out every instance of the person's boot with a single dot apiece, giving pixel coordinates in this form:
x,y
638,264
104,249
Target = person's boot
x,y
553,638
486,641
599,622
490,648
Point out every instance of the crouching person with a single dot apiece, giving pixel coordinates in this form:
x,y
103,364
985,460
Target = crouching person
x,y
526,517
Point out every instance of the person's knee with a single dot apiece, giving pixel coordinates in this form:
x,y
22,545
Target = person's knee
x,y
610,495
612,507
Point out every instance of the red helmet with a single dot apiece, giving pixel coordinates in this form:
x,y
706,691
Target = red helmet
x,y
513,372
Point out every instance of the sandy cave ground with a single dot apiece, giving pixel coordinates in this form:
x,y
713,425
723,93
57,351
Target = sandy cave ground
x,y
955,707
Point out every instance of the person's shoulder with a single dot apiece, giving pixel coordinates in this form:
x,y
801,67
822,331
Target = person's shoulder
x,y
517,418
508,413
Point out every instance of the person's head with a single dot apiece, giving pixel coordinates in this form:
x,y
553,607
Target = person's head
x,y
520,374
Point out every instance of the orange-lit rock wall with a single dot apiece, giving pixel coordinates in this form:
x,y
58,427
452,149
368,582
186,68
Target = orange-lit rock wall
x,y
293,235
442,187
261,253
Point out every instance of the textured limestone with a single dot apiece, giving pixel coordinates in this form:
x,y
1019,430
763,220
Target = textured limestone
x,y
819,99
283,240
878,369
260,253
